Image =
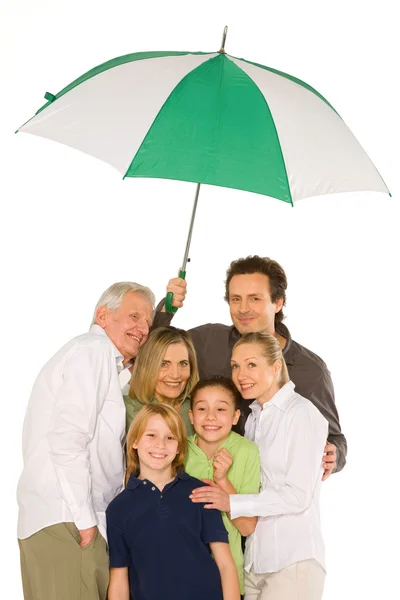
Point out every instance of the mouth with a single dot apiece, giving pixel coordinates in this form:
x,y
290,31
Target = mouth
x,y
158,455
211,427
134,337
245,320
173,384
246,386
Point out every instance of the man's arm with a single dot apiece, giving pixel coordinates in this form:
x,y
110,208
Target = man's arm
x,y
177,287
76,408
322,395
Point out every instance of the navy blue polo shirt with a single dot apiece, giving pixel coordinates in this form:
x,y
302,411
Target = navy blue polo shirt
x,y
163,538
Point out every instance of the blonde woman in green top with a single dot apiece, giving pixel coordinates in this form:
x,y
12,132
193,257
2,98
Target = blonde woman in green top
x,y
164,371
217,454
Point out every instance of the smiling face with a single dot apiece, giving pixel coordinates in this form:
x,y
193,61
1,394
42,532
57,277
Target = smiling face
x,y
156,448
213,414
174,372
128,325
250,304
252,375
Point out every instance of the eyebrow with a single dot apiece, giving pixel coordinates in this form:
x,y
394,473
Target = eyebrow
x,y
254,294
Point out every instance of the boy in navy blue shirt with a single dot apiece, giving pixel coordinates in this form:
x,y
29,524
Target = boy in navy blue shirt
x,y
160,542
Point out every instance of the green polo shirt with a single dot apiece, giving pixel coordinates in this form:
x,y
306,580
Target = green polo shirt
x,y
133,405
244,475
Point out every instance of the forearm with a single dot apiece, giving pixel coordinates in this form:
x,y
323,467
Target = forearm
x,y
245,525
119,585
161,317
228,573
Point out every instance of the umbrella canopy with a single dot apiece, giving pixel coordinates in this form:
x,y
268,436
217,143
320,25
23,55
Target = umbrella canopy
x,y
209,118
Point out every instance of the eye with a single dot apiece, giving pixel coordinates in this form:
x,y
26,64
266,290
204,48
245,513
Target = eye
x,y
234,367
150,434
251,364
171,438
256,299
134,317
164,364
221,409
184,363
234,299
200,408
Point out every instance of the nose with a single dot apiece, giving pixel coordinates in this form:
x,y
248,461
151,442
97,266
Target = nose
x,y
211,416
143,326
175,371
159,442
243,307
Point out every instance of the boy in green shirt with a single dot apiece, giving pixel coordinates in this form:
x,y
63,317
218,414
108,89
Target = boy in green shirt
x,y
220,455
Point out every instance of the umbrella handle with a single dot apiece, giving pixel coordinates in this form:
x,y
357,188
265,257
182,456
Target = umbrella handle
x,y
171,310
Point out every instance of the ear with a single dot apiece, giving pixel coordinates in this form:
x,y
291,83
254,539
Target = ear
x,y
190,416
278,305
277,367
134,446
236,417
102,316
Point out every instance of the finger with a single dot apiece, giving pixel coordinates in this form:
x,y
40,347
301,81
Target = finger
x,y
209,482
326,474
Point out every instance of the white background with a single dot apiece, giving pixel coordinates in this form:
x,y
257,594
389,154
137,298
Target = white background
x,y
70,227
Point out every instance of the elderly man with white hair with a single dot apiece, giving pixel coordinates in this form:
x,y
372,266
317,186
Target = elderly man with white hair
x,y
73,450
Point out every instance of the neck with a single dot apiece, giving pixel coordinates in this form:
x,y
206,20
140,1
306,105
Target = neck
x,y
268,394
159,478
170,401
209,448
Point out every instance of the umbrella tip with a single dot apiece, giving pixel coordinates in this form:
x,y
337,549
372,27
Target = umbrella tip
x,y
222,49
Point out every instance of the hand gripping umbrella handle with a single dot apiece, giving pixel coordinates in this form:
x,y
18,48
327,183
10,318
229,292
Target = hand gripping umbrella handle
x,y
171,310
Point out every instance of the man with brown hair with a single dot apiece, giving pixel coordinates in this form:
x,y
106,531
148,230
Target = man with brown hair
x,y
256,293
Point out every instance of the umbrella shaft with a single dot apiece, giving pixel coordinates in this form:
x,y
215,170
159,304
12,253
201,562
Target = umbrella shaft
x,y
189,237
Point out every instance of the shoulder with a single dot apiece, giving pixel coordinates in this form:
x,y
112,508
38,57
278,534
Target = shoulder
x,y
238,443
304,356
117,506
301,408
133,403
211,330
189,482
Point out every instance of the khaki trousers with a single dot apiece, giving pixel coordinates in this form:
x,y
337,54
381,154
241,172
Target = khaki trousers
x,y
55,567
303,580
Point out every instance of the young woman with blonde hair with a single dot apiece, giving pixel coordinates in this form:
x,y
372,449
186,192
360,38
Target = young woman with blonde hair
x,y
160,543
165,371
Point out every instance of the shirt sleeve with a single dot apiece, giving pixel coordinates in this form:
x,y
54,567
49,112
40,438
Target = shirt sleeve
x,y
322,395
305,441
213,528
117,546
250,483
161,319
78,402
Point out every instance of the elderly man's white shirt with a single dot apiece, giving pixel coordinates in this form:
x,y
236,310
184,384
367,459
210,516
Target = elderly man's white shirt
x,y
290,433
73,437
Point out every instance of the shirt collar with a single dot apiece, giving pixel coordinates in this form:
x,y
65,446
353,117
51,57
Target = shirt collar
x,y
193,444
97,330
134,482
280,399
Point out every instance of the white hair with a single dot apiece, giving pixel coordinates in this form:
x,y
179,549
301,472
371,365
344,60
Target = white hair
x,y
113,296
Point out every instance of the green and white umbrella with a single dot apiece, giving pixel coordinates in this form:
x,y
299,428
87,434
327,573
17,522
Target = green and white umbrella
x,y
208,118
